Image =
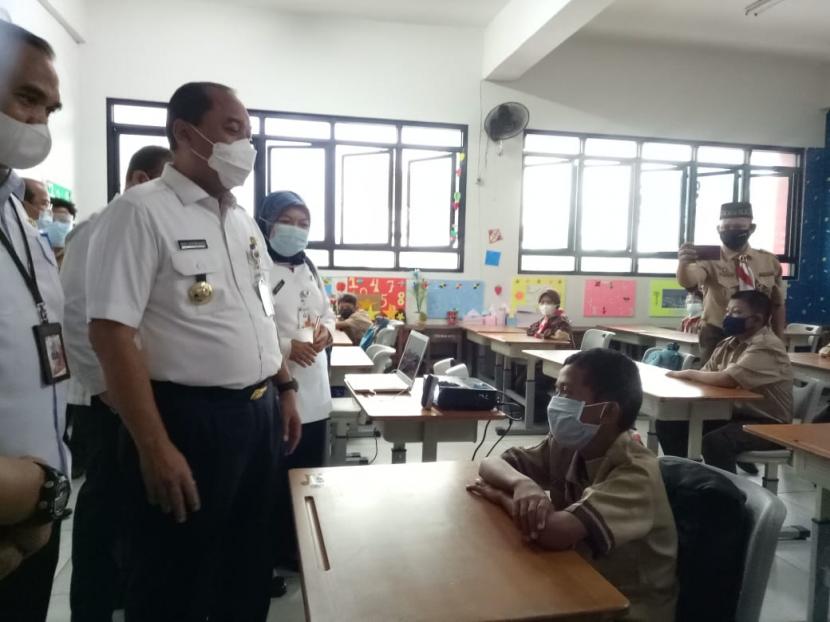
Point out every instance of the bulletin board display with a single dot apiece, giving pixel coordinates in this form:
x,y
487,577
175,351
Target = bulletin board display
x,y
615,298
378,295
462,296
525,292
666,298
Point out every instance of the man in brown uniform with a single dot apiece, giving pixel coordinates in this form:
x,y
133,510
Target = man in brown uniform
x,y
752,357
739,268
350,319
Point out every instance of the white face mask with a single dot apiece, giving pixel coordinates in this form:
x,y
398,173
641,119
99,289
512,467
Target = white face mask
x,y
288,240
694,309
232,162
565,426
23,145
547,309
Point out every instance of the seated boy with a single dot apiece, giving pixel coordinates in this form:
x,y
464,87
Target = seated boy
x,y
554,323
350,319
751,357
607,496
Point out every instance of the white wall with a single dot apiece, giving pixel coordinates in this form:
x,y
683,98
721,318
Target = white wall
x,y
354,67
61,165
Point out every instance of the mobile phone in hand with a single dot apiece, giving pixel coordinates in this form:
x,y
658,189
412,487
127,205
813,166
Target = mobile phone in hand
x,y
707,252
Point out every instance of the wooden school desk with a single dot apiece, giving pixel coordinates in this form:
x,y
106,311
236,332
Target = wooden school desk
x,y
476,335
401,420
341,339
668,399
347,360
810,443
407,542
649,336
809,365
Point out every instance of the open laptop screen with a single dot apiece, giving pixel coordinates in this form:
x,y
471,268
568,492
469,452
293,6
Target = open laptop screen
x,y
412,356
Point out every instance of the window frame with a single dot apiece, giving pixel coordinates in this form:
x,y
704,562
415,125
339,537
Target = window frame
x,y
261,179
743,174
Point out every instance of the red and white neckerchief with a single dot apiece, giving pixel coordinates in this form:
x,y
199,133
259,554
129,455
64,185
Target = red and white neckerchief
x,y
746,279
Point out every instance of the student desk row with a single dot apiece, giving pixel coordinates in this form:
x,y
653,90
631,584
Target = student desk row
x,y
669,399
347,360
653,336
810,443
339,338
406,542
401,419
811,366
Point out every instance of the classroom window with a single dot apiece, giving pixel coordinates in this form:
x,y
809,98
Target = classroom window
x,y
617,205
382,193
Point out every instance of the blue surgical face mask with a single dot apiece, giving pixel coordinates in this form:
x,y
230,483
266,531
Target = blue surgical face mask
x,y
565,426
288,240
56,232
733,326
44,220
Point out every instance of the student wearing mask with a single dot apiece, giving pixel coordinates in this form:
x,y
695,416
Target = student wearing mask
x,y
96,578
694,310
63,220
305,322
554,323
751,357
590,486
179,264
32,365
739,268
351,319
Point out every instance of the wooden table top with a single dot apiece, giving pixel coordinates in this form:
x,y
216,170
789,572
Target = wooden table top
x,y
529,340
813,438
481,329
657,332
657,384
810,359
407,406
406,542
341,339
350,356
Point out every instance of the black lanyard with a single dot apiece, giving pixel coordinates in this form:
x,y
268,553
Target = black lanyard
x,y
29,277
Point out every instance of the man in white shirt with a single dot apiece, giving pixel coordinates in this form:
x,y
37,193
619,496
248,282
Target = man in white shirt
x,y
96,580
179,264
32,365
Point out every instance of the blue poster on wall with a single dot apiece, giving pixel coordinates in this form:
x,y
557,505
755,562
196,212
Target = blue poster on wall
x,y
462,296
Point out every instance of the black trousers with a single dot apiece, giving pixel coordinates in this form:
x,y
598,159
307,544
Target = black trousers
x,y
97,546
25,593
310,453
722,440
217,565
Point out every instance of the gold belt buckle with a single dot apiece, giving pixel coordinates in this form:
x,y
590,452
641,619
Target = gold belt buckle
x,y
258,393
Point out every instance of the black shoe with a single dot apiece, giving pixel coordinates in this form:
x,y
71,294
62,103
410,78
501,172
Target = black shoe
x,y
748,467
278,587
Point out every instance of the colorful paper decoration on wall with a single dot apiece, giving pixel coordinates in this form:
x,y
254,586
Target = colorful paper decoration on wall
x,y
666,298
525,291
462,295
492,258
335,285
609,298
378,294
494,235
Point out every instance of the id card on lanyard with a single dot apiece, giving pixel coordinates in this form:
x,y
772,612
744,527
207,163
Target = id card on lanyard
x,y
48,335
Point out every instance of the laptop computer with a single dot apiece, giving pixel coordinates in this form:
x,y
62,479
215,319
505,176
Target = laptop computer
x,y
403,377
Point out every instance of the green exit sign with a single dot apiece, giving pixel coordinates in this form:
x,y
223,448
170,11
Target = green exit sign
x,y
56,191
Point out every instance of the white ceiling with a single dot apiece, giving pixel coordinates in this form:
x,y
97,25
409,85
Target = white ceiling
x,y
476,13
793,27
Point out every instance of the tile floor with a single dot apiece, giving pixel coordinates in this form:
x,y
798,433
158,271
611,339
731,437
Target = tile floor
x,y
786,598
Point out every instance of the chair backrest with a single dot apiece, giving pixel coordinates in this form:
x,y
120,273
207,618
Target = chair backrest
x,y
373,350
386,336
440,367
806,398
595,338
800,335
764,516
459,371
381,358
690,361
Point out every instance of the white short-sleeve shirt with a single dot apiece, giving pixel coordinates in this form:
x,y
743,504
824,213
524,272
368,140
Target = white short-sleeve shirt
x,y
149,247
32,414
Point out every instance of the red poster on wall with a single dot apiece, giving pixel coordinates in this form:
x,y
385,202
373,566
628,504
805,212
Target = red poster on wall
x,y
379,295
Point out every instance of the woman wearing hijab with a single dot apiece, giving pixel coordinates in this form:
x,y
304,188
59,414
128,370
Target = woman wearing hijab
x,y
305,322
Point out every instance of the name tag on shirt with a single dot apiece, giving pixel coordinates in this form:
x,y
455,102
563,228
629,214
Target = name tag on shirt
x,y
265,297
192,245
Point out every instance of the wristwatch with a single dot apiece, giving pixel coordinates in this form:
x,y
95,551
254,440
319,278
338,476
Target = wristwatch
x,y
291,385
53,499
